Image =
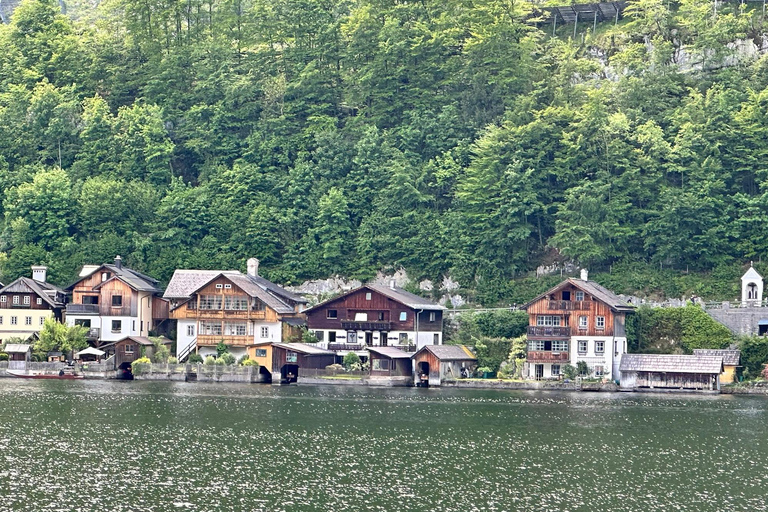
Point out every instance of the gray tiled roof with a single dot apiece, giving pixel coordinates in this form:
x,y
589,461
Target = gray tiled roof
x,y
450,352
17,348
45,291
303,348
390,352
409,299
133,278
594,289
671,363
730,357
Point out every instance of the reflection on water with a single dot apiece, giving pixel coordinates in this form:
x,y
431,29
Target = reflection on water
x,y
150,446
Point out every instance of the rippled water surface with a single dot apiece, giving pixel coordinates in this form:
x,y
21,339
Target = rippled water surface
x,y
147,446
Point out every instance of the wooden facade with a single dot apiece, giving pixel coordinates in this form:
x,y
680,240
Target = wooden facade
x,y
434,364
288,358
559,304
390,363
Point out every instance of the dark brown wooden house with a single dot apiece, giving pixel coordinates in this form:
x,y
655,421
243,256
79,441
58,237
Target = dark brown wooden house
x,y
376,316
289,358
434,364
25,305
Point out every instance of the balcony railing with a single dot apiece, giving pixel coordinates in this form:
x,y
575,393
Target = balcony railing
x,y
227,339
345,347
549,332
82,309
351,325
569,305
546,356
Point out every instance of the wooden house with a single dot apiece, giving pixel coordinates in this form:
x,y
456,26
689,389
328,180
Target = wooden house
x,y
435,364
215,306
731,359
391,366
376,316
131,348
261,352
19,354
25,305
577,320
655,371
289,358
114,301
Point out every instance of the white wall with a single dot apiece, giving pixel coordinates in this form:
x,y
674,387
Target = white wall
x,y
182,339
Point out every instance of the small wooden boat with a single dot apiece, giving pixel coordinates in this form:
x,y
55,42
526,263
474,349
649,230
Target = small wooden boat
x,y
31,375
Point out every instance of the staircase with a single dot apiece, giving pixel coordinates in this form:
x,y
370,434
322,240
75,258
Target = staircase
x,y
183,353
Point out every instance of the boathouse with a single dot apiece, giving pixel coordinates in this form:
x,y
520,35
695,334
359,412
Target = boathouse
x,y
390,366
289,358
18,355
656,371
436,363
731,359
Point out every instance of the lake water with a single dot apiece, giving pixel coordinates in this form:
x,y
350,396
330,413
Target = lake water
x,y
152,446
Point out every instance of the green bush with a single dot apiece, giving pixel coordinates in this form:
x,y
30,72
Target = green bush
x,y
4,356
569,371
754,354
227,359
173,360
489,324
195,359
582,368
350,360
209,360
220,361
674,330
491,352
140,366
250,362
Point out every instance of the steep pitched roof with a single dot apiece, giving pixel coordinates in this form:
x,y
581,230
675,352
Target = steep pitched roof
x,y
397,294
449,352
596,290
751,274
303,348
730,357
671,363
185,283
45,291
133,278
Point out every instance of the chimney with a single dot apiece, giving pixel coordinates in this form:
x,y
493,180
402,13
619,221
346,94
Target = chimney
x,y
392,283
253,267
584,274
39,273
118,261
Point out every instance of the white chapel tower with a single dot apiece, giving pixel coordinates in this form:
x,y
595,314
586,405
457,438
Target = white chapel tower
x,y
751,288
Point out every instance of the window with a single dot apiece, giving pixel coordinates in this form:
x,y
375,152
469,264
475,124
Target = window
x,y
83,323
219,286
291,357
403,338
361,317
535,345
210,328
331,313
566,295
381,316
133,325
190,330
26,300
435,339
1,320
368,296
380,364
90,299
192,304
3,298
560,346
117,325
332,337
237,303
141,326
104,276
42,321
579,295
548,320
27,320
129,349
16,299
258,305
227,286
39,301
265,332
117,301
261,352
582,347
14,320
432,316
403,316
599,347
599,322
235,328
210,302
555,370
583,322
599,371
320,335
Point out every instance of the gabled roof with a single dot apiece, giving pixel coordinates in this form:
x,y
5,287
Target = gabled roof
x,y
397,294
730,357
448,352
133,278
45,291
597,291
185,283
17,348
671,363
303,348
390,352
751,275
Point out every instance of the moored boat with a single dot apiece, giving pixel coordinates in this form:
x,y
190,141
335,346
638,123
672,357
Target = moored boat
x,y
39,375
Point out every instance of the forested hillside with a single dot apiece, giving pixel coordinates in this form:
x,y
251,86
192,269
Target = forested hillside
x,y
448,137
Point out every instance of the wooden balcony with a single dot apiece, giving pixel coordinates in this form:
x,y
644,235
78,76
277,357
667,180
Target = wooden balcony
x,y
351,325
82,309
345,347
215,339
547,332
185,313
546,356
569,305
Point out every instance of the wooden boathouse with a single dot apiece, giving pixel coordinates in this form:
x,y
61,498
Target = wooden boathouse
x,y
390,366
435,363
680,372
731,359
289,358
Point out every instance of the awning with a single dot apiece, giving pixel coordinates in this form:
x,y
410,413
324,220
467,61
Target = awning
x,y
763,322
90,351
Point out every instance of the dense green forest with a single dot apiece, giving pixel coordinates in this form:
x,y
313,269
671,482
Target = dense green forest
x,y
451,137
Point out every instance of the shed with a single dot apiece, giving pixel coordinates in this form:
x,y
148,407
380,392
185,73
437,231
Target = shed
x,y
56,357
697,372
18,351
130,348
262,354
289,358
390,362
435,363
731,361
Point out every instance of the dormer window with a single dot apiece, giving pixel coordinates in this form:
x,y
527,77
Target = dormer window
x,y
105,276
579,295
368,296
227,286
219,286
